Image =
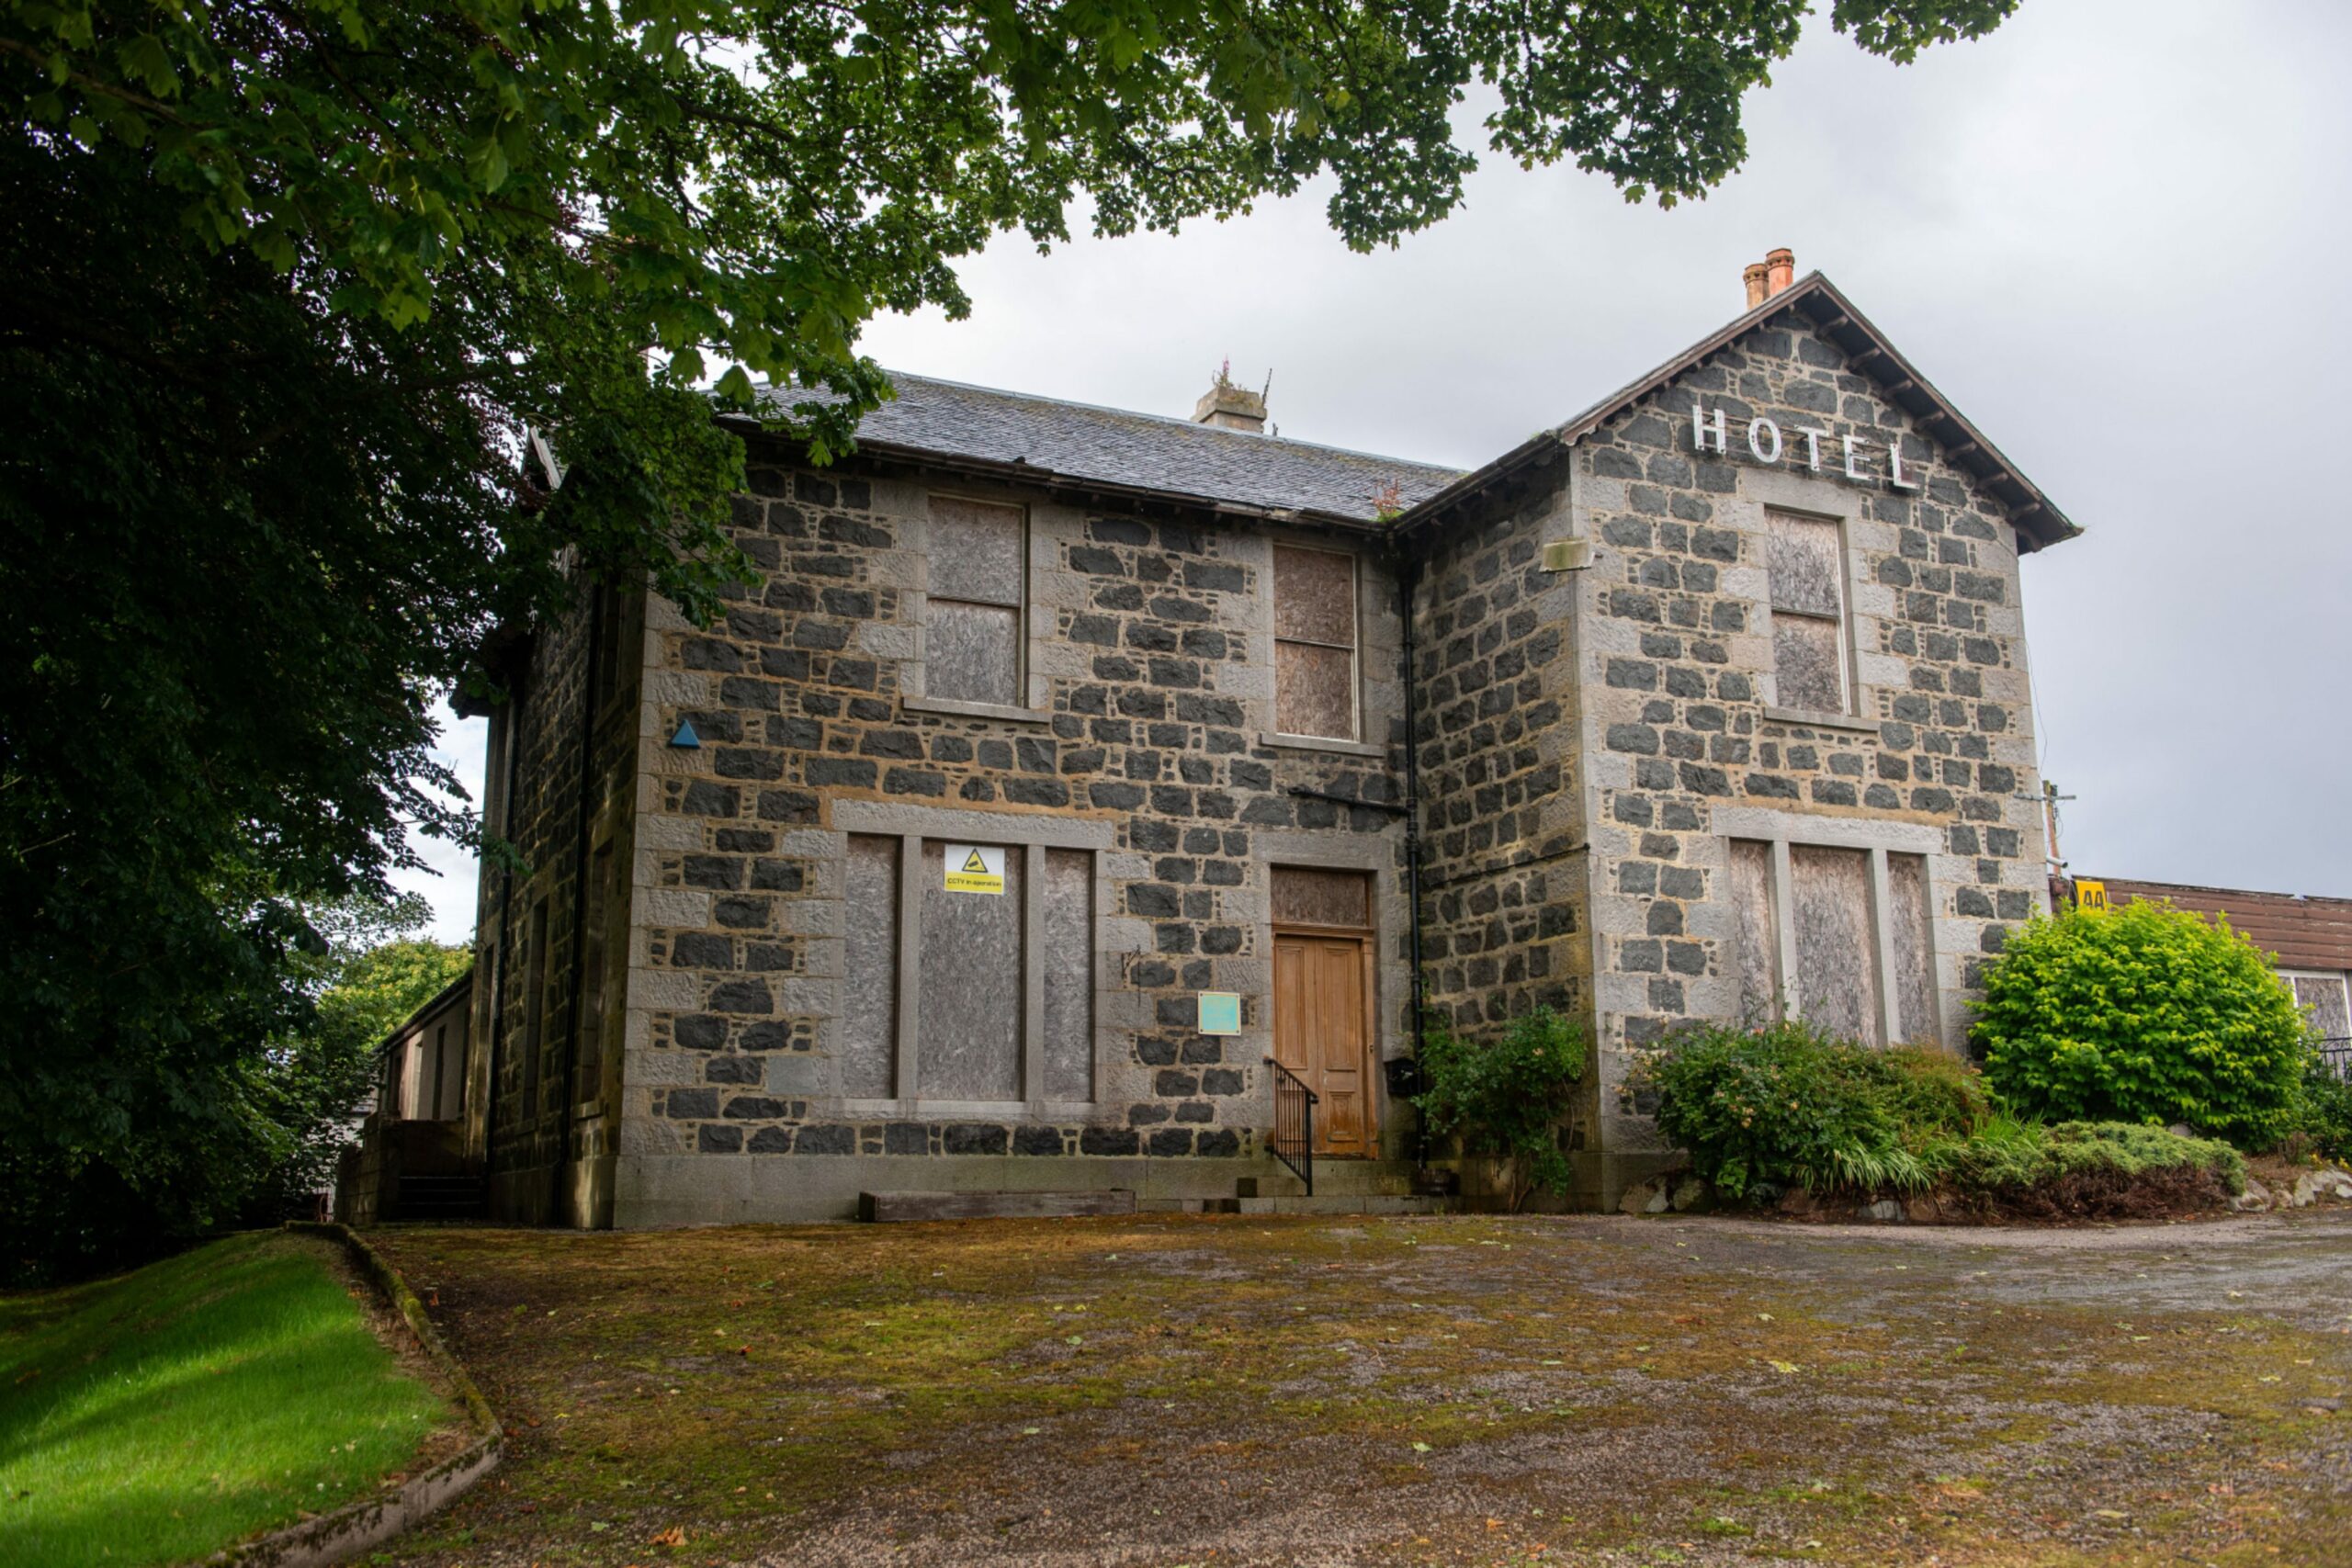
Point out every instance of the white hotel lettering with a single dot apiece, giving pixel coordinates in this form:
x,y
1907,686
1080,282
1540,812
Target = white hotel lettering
x,y
1766,445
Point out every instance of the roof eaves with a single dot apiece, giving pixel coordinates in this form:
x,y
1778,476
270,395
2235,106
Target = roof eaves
x,y
2029,508
1051,479
2032,511
424,1009
1483,478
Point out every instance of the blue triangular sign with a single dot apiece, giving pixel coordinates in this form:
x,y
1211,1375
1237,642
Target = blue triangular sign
x,y
686,736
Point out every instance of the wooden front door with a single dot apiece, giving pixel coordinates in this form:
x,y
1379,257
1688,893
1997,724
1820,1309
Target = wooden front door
x,y
1321,1032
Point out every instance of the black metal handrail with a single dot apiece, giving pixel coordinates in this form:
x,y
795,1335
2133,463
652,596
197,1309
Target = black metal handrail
x,y
1292,1139
2335,1054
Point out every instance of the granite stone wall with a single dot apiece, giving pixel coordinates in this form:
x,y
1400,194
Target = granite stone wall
x,y
573,730
1503,835
1685,744
1144,738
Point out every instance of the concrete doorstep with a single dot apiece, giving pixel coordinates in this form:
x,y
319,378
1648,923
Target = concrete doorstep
x,y
886,1208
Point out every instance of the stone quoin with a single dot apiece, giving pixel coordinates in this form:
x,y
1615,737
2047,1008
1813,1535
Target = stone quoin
x,y
1061,770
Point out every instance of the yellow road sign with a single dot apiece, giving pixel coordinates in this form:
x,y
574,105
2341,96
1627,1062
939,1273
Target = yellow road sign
x,y
2089,895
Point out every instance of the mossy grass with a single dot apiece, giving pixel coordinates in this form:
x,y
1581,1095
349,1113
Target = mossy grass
x,y
1149,1388
162,1414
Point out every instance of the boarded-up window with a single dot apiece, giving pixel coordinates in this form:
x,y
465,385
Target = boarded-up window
x,y
1315,643
1759,938
969,1044
972,634
1003,1009
1913,969
1308,897
1807,571
588,1033
2324,994
1068,955
1837,978
535,1009
868,1047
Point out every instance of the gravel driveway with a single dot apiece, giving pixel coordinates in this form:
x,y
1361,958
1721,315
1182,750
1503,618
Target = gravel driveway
x,y
1465,1388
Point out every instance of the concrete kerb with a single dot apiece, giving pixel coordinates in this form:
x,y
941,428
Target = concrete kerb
x,y
371,1521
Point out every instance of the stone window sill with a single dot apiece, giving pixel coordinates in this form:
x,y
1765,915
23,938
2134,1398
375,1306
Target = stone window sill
x,y
1321,743
953,706
1812,720
1025,1110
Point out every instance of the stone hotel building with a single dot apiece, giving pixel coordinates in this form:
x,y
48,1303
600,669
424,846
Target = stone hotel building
x,y
1068,779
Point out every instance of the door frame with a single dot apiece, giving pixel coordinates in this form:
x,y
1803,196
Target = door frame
x,y
1368,940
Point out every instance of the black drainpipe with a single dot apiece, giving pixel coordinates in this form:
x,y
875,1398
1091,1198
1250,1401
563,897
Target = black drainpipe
x,y
513,727
1410,578
589,705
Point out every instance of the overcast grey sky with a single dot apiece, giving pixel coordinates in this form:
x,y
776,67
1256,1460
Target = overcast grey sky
x,y
2114,233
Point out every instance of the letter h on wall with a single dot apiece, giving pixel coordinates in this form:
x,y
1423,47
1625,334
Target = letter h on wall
x,y
1701,431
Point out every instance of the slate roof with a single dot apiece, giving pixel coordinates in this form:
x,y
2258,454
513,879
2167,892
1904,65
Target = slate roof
x,y
1018,434
1116,449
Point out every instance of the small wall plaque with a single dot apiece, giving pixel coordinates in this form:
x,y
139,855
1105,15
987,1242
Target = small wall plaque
x,y
1220,1013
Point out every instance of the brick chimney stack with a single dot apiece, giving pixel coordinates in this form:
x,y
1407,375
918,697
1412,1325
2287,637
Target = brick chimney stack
x,y
1768,276
1229,407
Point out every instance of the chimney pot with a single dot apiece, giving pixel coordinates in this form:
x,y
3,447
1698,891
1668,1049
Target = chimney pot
x,y
1229,407
1754,278
1780,270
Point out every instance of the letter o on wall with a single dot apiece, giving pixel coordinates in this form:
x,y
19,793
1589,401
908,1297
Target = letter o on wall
x,y
1760,426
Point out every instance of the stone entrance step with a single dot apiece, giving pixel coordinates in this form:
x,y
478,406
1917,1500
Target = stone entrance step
x,y
884,1207
1347,1203
438,1198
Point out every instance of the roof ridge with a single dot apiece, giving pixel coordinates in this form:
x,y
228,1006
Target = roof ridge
x,y
1209,431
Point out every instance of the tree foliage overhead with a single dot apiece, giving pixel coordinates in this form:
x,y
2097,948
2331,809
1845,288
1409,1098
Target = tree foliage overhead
x,y
289,280
743,183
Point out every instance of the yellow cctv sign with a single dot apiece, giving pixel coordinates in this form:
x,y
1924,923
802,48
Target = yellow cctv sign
x,y
975,868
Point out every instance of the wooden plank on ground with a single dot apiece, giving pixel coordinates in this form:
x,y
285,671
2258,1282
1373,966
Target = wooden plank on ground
x,y
882,1208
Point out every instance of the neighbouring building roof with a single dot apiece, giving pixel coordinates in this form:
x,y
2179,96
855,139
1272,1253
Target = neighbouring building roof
x,y
1047,439
1834,316
2304,932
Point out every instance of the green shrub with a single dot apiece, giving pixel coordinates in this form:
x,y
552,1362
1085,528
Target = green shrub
x,y
1787,1105
1932,1091
2144,1013
1506,1097
2006,1158
2325,1114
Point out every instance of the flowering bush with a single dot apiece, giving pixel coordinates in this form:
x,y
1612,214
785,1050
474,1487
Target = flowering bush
x,y
2144,1013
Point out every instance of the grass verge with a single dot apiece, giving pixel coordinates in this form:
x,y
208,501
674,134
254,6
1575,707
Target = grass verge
x,y
160,1415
